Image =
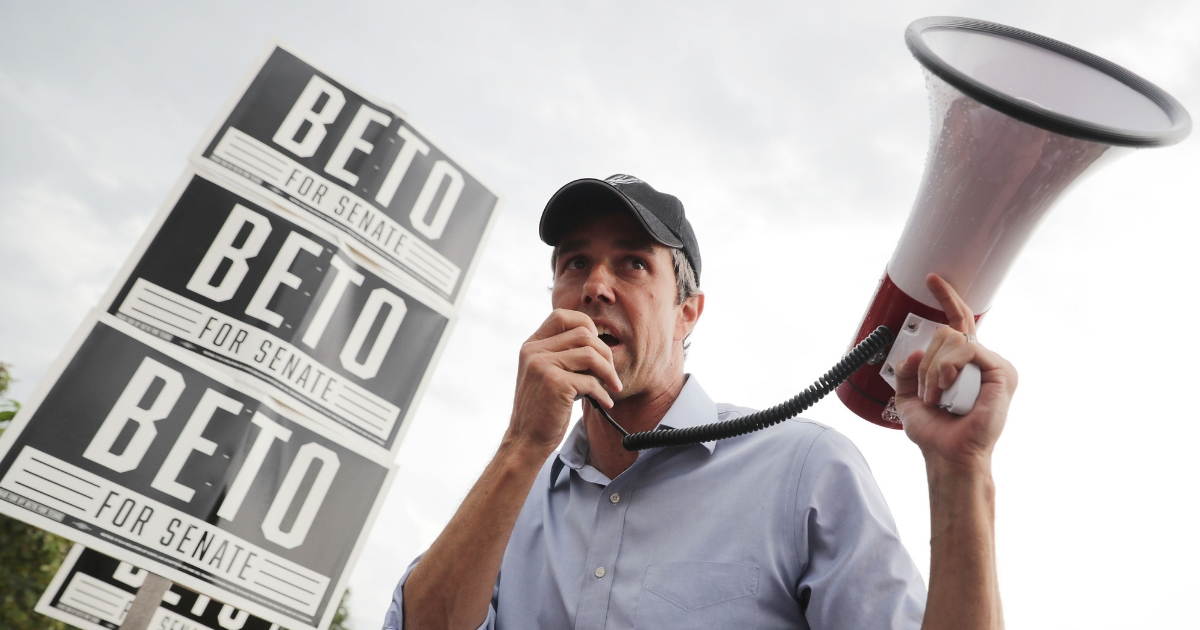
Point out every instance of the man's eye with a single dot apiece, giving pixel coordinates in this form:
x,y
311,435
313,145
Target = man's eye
x,y
638,264
575,263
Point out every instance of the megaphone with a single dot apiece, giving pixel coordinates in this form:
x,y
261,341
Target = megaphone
x,y
1017,118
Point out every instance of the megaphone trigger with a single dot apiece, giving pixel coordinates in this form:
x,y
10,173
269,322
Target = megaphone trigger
x,y
915,334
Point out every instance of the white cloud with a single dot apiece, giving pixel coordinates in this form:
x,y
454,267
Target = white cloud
x,y
58,257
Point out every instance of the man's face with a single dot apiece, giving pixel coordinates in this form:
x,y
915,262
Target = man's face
x,y
610,269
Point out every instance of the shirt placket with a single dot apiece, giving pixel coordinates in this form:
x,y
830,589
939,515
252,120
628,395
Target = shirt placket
x,y
594,598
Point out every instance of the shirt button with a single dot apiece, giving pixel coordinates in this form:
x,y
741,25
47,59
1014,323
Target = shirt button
x,y
600,572
614,497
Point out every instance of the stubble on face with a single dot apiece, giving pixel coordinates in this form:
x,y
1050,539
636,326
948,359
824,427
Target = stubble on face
x,y
611,270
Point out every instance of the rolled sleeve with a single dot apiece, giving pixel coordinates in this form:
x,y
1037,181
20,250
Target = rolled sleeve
x,y
394,620
856,573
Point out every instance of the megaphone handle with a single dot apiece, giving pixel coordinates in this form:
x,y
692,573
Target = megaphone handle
x,y
960,397
916,334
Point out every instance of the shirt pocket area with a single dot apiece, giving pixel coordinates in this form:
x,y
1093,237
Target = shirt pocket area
x,y
698,595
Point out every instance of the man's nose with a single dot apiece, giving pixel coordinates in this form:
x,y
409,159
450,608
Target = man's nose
x,y
598,287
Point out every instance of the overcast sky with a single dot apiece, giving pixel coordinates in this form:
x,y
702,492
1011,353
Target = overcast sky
x,y
795,134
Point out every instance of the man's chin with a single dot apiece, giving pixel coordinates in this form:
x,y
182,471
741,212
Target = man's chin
x,y
628,388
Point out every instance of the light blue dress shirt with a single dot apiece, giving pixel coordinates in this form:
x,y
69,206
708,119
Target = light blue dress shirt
x,y
782,528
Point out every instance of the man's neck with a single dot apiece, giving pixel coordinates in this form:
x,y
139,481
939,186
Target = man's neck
x,y
641,412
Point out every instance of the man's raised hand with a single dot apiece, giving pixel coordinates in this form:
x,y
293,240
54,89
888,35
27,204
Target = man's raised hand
x,y
920,380
562,361
452,586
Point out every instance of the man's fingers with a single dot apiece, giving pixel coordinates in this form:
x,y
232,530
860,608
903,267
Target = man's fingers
x,y
574,338
556,381
938,371
931,352
906,374
951,363
925,375
587,385
588,359
946,340
995,368
561,320
570,358
957,312
955,354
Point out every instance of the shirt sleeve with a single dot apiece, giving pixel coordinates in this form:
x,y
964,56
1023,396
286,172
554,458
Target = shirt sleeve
x,y
855,571
394,620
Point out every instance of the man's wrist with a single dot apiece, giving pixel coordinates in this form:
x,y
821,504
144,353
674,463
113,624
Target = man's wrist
x,y
976,466
962,495
517,455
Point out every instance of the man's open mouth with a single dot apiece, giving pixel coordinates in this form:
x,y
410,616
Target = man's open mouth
x,y
607,337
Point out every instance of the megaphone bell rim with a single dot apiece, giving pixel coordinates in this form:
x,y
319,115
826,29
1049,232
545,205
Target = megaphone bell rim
x,y
1039,116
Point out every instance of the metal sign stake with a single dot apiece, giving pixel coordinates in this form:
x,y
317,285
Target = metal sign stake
x,y
149,596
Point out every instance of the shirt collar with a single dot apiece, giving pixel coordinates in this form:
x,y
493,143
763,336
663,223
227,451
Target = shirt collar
x,y
691,408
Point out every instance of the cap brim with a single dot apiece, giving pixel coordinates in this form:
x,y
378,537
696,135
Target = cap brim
x,y
579,200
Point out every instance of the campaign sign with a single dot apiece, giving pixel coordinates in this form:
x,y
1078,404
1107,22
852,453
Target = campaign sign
x,y
144,452
94,592
312,141
241,284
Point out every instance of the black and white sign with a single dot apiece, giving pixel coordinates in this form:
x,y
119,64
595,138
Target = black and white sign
x,y
249,287
94,591
144,452
356,163
228,418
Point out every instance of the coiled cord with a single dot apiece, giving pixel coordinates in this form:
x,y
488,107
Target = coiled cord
x,y
867,348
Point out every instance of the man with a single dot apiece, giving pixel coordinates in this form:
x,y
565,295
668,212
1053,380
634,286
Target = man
x,y
783,528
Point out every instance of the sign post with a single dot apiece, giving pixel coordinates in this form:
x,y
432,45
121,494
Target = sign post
x,y
146,603
93,591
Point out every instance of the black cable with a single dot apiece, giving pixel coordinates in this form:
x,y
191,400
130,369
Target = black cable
x,y
867,348
606,416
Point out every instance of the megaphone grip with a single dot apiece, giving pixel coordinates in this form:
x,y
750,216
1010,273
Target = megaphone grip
x,y
960,397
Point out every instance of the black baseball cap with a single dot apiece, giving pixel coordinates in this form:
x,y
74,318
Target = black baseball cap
x,y
583,199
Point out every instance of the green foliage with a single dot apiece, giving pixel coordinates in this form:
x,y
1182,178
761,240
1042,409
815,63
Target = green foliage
x,y
343,612
8,408
5,377
29,556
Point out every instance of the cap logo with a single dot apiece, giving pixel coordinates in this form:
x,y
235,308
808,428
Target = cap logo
x,y
623,179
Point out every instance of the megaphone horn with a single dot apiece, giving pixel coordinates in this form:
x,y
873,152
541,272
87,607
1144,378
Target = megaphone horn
x,y
1017,118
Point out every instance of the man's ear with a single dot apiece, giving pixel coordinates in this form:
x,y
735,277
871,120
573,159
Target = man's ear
x,y
688,315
